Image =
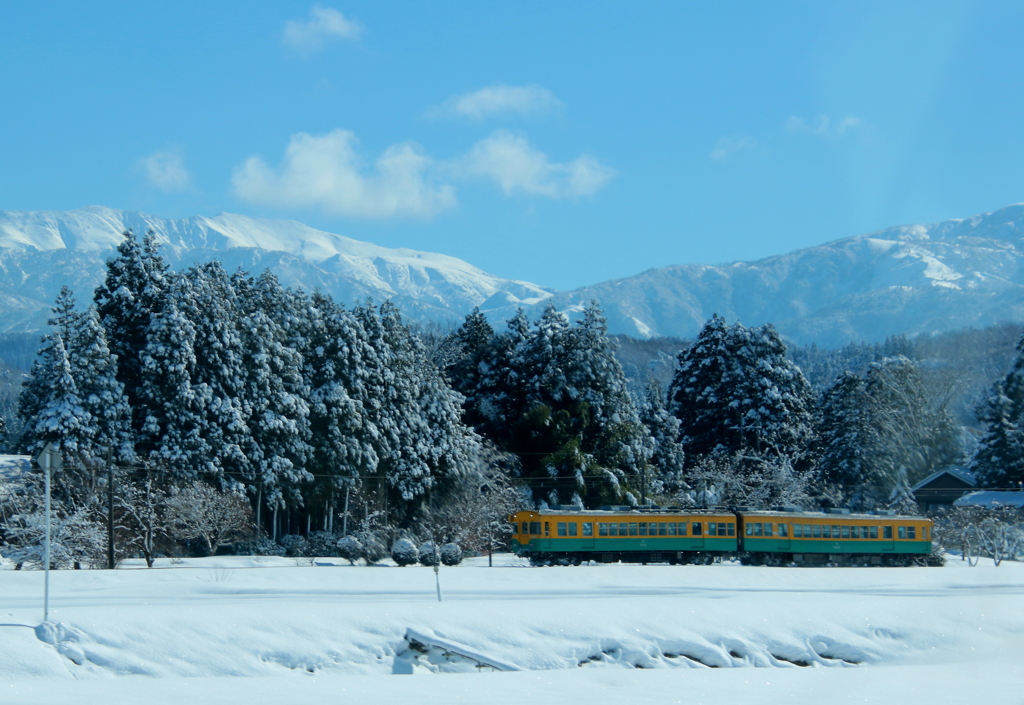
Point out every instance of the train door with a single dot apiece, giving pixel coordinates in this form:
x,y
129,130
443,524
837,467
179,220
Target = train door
x,y
887,543
587,529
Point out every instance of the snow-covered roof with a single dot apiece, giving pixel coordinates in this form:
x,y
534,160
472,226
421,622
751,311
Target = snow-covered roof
x,y
959,473
987,498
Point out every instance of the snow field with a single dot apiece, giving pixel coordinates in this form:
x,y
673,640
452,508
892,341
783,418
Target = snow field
x,y
581,633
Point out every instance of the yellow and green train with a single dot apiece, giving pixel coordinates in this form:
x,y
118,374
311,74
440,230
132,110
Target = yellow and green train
x,y
563,536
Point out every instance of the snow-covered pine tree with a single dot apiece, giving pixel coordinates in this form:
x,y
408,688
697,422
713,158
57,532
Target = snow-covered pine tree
x,y
998,461
130,295
668,459
735,390
61,418
219,376
94,369
173,434
274,390
842,433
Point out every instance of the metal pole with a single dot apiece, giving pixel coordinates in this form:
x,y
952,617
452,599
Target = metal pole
x,y
110,509
47,460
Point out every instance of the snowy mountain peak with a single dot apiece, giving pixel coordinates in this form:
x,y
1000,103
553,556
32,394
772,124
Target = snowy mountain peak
x,y
40,251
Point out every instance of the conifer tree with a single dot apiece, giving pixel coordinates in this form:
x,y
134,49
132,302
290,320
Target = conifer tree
x,y
999,458
131,294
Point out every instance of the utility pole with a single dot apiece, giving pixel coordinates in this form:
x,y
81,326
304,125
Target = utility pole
x,y
110,509
49,460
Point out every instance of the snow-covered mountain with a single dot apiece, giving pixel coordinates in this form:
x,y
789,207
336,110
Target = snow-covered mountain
x,y
41,251
911,279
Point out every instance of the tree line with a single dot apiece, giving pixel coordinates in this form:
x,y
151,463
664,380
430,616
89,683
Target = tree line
x,y
320,418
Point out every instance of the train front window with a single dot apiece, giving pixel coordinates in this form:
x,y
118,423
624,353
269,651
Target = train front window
x,y
526,527
535,528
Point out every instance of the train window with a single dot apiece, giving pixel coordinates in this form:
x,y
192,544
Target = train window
x,y
572,528
846,532
662,529
698,528
588,529
783,530
623,528
602,528
816,530
924,533
613,529
672,528
854,532
632,528
682,528
835,531
886,532
712,528
912,532
731,529
535,527
561,528
767,529
798,531
874,531
750,528
643,528
901,532
547,528
758,528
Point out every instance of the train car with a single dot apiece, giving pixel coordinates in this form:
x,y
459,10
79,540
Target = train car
x,y
564,535
834,538
573,535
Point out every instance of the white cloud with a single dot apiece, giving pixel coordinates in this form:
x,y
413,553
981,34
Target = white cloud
x,y
324,24
496,99
730,145
324,171
823,125
166,171
518,168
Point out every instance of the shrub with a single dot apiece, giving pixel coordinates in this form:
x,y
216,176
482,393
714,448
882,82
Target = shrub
x,y
294,545
451,554
428,554
322,544
404,552
350,548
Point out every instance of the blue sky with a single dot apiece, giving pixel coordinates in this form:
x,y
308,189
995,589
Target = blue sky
x,y
562,143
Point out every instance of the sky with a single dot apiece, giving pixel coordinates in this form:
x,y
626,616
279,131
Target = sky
x,y
560,143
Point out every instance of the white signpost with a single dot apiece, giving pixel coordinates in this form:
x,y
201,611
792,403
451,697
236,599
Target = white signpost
x,y
50,461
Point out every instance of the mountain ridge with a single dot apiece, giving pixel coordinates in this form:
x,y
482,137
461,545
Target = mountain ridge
x,y
910,279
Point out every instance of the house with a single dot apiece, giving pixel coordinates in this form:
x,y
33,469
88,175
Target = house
x,y
943,488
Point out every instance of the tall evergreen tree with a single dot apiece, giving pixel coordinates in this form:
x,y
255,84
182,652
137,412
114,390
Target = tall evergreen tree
x,y
734,390
131,294
999,458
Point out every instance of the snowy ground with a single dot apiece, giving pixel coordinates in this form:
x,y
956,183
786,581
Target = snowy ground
x,y
226,630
